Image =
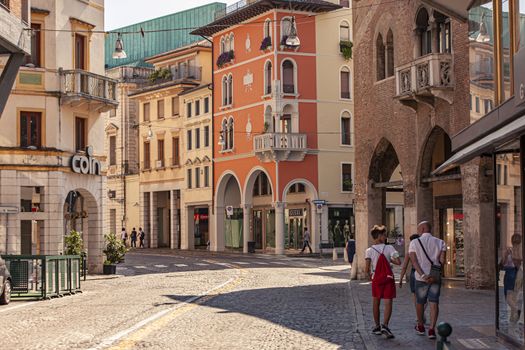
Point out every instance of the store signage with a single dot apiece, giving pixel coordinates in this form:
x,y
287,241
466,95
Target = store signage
x,y
295,212
85,163
229,210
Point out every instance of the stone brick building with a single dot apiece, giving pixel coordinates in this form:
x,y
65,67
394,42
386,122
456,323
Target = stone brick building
x,y
407,103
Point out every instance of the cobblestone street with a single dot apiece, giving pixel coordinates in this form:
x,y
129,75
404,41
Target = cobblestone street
x,y
195,301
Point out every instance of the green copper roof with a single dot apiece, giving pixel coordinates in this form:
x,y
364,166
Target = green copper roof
x,y
138,48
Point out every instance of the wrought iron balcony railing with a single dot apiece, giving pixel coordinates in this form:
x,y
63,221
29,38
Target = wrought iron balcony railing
x,y
78,86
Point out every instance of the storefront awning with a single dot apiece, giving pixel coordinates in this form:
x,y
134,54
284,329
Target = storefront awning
x,y
487,144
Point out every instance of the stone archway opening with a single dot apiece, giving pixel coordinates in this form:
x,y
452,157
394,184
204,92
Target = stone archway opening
x,y
229,214
260,212
440,199
81,214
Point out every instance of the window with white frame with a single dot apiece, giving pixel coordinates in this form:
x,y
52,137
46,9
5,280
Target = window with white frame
x,y
347,184
223,137
344,31
267,28
230,133
286,26
225,91
345,82
346,129
230,89
288,72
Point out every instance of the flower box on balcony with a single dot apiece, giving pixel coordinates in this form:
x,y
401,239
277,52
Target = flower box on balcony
x,y
345,47
266,44
225,58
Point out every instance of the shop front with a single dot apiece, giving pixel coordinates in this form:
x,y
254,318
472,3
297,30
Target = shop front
x,y
263,226
201,227
296,219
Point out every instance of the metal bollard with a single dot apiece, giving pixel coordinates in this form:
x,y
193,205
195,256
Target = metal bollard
x,y
444,330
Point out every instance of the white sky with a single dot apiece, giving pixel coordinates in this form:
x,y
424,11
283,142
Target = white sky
x,y
120,13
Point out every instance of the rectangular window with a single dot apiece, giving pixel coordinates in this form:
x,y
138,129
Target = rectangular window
x,y
31,129
160,153
145,111
80,134
112,150
36,46
197,138
174,106
206,176
345,131
197,107
188,140
80,52
147,164
31,199
477,104
175,152
188,178
347,184
206,105
206,136
160,109
197,177
188,109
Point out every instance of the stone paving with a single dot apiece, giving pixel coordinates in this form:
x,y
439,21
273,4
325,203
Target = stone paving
x,y
470,312
195,301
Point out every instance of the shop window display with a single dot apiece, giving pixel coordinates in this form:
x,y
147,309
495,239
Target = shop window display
x,y
340,226
509,240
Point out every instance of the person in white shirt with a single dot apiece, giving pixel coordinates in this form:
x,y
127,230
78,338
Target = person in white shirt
x,y
427,289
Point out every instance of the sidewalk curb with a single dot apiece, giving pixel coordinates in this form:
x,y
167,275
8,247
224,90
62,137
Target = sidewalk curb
x,y
361,324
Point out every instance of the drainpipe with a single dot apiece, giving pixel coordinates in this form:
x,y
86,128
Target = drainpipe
x,y
123,169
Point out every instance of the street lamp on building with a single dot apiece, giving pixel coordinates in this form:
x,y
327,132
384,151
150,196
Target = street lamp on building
x,y
293,39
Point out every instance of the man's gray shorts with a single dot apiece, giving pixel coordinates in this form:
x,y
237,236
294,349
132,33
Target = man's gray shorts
x,y
427,292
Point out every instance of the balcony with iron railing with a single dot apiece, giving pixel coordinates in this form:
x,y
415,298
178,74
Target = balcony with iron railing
x,y
79,87
425,79
280,146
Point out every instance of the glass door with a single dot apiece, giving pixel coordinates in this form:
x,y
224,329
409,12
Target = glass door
x,y
257,223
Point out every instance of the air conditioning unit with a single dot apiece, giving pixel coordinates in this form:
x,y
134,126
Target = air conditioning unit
x,y
160,163
112,194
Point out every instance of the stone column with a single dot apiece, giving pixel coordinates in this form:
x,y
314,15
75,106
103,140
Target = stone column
x,y
369,211
217,240
174,219
315,227
279,228
246,234
152,234
478,223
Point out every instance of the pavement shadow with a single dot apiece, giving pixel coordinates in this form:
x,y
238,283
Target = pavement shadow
x,y
320,310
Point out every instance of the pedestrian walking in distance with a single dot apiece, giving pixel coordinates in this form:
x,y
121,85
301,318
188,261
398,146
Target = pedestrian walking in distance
x,y
427,254
306,240
378,258
133,238
142,235
124,236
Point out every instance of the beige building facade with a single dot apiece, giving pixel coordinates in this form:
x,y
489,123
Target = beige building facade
x,y
171,133
52,135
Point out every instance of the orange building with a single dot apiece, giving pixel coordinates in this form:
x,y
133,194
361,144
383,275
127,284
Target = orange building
x,y
282,119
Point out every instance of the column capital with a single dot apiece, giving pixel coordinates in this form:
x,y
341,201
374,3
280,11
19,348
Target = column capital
x,y
278,205
247,206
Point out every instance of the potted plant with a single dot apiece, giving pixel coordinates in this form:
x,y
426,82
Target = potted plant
x,y
74,245
225,57
266,43
346,49
115,252
266,127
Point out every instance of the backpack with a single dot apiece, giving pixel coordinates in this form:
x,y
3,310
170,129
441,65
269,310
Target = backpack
x,y
383,272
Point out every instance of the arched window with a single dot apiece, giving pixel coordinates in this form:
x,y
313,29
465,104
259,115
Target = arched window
x,y
346,129
345,82
268,78
288,72
286,120
380,57
389,53
443,32
344,31
225,91
424,32
224,135
232,42
227,44
268,120
267,28
286,26
230,89
230,133
223,45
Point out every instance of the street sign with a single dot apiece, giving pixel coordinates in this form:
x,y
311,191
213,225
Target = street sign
x,y
319,201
